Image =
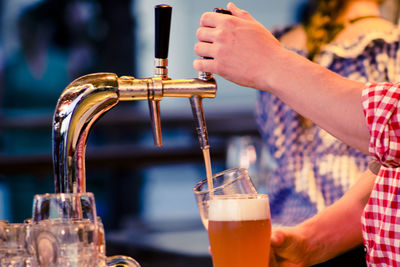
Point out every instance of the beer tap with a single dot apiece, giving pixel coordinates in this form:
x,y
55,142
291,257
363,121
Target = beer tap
x,y
162,30
87,98
197,103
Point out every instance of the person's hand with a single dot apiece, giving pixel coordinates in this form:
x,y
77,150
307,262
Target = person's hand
x,y
242,49
288,248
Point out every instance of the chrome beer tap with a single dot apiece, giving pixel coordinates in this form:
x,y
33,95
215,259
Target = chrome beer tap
x,y
197,103
87,98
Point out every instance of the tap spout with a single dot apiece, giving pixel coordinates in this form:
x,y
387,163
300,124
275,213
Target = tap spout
x,y
78,107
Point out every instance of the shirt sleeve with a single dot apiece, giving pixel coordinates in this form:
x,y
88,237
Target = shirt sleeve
x,y
381,108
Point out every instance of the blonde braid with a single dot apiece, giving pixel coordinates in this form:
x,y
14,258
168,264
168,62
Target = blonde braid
x,y
321,28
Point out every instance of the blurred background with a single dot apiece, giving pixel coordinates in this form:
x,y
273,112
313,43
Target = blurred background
x,y
143,193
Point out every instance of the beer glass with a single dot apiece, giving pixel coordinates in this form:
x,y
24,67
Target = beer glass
x,y
122,261
14,245
249,152
65,231
237,219
239,230
232,181
64,206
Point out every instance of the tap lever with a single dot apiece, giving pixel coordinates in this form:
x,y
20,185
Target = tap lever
x,y
222,11
198,114
162,30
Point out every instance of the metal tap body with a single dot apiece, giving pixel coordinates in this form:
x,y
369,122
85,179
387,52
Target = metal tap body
x,y
87,98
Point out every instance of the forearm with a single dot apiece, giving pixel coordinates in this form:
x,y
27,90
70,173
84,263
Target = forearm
x,y
338,228
315,92
246,53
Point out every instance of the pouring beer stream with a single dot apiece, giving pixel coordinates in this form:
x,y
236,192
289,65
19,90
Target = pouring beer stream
x,y
198,114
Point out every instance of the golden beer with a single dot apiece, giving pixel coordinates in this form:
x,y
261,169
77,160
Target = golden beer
x,y
239,230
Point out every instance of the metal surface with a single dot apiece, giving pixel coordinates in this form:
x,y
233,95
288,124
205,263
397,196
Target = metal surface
x,y
87,98
160,67
198,115
79,106
160,73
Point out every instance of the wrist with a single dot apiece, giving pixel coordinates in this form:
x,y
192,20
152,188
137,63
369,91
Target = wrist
x,y
282,68
313,242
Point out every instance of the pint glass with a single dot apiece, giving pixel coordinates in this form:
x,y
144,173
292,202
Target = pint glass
x,y
239,230
237,219
232,181
66,231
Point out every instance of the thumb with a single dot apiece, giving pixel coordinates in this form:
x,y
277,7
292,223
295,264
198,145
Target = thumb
x,y
237,12
278,238
289,246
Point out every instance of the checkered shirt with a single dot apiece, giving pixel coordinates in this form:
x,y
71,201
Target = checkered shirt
x,y
314,168
381,217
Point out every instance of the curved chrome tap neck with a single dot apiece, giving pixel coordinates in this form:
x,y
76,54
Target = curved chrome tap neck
x,y
90,96
79,106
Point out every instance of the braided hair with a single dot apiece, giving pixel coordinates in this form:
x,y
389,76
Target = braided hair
x,y
321,26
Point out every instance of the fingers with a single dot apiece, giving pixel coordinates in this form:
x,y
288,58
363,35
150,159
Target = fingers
x,y
277,238
205,34
204,49
208,20
281,242
201,64
240,13
272,259
212,19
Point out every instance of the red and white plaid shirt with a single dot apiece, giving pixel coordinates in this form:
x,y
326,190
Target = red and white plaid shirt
x,y
381,217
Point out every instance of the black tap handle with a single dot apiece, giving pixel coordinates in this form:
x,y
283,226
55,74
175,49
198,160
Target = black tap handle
x,y
223,11
162,30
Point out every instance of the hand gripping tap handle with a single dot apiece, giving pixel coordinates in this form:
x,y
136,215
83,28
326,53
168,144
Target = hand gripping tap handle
x,y
207,75
162,31
197,105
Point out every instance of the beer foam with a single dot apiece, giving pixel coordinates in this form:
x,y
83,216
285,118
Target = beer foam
x,y
238,209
